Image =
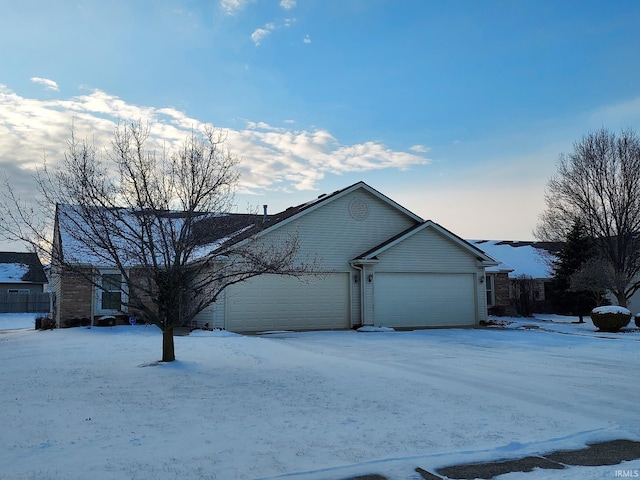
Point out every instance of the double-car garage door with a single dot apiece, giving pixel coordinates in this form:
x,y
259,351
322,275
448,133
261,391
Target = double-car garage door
x,y
271,302
424,299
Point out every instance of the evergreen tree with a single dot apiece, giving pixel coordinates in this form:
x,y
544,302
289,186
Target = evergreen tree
x,y
578,248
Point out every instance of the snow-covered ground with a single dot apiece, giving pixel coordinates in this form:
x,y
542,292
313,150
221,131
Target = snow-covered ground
x,y
94,403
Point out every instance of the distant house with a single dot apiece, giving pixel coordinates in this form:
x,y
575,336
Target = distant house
x,y
517,258
381,265
22,283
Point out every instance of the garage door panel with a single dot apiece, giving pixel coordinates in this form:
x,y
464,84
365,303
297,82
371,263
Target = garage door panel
x,y
424,299
271,302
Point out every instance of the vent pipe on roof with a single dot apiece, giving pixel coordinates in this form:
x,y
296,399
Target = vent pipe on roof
x,y
264,218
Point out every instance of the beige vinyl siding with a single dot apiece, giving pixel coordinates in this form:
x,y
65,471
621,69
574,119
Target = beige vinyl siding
x,y
56,293
336,238
213,315
427,251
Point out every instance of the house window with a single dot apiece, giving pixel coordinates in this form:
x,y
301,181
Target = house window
x,y
111,297
489,287
18,290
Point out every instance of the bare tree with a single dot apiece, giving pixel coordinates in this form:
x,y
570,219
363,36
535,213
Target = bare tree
x,y
158,219
598,184
524,290
595,276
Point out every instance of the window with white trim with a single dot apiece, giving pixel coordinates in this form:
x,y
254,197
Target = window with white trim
x,y
111,292
489,288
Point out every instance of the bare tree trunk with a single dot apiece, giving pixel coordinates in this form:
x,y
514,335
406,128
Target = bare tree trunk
x,y
621,298
168,351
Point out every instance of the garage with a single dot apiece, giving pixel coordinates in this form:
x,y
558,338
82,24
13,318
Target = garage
x,y
272,302
424,299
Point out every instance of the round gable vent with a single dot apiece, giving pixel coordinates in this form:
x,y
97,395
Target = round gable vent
x,y
358,209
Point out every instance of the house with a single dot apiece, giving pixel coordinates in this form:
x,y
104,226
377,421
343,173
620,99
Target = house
x,y
517,258
380,265
22,283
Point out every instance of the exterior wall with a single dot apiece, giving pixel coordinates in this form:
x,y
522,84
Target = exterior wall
x,y
335,235
502,288
429,251
331,233
74,299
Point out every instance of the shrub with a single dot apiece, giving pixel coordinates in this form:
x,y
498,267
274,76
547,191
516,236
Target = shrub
x,y
45,323
610,319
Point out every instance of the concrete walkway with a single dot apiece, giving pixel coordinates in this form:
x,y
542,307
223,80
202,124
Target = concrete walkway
x,y
595,454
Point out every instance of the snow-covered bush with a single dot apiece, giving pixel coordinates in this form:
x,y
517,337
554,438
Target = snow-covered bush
x,y
610,318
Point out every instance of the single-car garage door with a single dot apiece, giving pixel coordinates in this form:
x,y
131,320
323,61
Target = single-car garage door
x,y
424,299
272,302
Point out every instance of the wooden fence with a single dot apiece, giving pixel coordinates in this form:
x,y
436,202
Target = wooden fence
x,y
24,302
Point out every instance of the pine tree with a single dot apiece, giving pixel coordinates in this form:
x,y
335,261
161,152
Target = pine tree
x,y
578,248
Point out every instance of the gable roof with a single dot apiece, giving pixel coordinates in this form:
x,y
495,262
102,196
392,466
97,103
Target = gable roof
x,y
519,257
17,267
479,254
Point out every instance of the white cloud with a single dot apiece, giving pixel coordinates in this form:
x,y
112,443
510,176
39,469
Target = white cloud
x,y
48,84
419,149
230,7
272,157
307,39
259,34
287,4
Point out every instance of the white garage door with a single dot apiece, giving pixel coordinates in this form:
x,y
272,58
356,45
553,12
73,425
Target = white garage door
x,y
271,302
424,300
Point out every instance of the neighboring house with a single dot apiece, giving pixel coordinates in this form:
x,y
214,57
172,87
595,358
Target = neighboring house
x,y
381,265
22,283
517,258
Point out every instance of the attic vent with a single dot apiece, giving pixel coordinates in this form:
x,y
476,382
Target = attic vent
x,y
358,209
322,195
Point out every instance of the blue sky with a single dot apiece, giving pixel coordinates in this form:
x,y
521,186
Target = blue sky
x,y
455,109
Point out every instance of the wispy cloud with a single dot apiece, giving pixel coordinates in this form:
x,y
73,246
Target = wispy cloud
x,y
48,84
260,34
272,157
419,149
287,4
306,39
230,7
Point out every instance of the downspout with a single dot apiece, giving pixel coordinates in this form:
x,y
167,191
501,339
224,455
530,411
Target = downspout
x,y
361,273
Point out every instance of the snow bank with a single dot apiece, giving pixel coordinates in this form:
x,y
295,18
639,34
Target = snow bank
x,y
375,329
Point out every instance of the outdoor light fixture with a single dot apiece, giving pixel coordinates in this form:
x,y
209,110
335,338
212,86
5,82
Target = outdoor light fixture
x,y
370,277
481,279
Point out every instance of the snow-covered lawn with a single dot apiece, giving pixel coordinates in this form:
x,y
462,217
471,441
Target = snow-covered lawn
x,y
94,403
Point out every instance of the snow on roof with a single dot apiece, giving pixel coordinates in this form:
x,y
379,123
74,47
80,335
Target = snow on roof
x,y
517,258
212,230
21,267
12,272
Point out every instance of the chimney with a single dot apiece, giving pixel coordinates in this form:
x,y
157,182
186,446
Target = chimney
x,y
264,218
